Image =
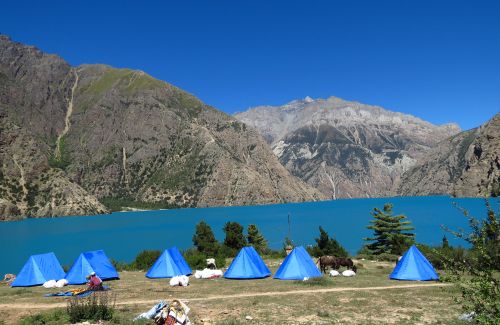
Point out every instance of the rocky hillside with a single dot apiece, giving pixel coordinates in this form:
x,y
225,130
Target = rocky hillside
x,y
342,148
74,136
467,164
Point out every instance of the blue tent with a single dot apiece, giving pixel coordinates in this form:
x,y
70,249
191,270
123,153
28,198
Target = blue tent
x,y
88,262
297,266
38,270
414,266
169,264
247,265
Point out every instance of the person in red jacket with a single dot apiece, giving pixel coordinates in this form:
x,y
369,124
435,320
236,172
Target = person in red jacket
x,y
95,282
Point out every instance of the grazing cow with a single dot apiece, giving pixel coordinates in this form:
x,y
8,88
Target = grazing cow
x,y
347,262
211,263
325,261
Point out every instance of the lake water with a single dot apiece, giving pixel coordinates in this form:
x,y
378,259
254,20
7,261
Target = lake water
x,y
124,234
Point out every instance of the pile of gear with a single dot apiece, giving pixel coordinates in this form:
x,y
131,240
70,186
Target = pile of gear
x,y
163,313
55,284
208,274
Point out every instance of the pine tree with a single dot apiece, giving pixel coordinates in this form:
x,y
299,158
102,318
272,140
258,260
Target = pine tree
x,y
256,239
325,245
390,232
204,239
445,244
235,240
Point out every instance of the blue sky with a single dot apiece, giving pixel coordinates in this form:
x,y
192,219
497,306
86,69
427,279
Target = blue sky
x,y
438,60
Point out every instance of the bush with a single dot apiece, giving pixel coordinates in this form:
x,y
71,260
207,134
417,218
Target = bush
x,y
97,306
55,317
198,260
145,259
477,277
439,255
121,266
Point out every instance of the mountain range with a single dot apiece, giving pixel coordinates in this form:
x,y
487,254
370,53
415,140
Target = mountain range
x,y
74,137
346,149
88,139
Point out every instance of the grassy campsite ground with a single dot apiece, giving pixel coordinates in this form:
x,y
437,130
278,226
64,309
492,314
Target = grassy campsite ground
x,y
368,298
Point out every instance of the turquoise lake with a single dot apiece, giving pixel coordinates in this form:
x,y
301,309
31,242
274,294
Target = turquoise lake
x,y
124,234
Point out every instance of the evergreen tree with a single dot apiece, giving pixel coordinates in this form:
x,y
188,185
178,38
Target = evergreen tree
x,y
235,240
204,239
390,232
445,244
325,245
256,239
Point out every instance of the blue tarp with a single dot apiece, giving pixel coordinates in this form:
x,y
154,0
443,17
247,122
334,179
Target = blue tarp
x,y
247,265
38,270
297,266
169,264
88,262
414,266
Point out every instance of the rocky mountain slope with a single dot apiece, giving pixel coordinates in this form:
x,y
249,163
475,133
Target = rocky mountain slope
x,y
342,148
467,164
74,135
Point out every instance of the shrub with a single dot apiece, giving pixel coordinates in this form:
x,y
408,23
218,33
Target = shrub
x,y
97,306
439,255
477,277
145,259
198,260
55,317
195,259
121,266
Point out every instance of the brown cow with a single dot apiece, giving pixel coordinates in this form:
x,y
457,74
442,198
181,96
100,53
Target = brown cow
x,y
325,261
347,262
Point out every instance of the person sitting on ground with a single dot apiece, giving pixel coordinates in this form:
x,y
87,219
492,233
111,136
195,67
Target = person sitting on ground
x,y
95,282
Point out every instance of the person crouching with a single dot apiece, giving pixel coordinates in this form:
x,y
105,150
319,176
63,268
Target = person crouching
x,y
95,282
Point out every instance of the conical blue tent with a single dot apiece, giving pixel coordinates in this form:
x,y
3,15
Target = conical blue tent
x,y
180,261
247,265
38,270
414,266
169,264
88,262
297,266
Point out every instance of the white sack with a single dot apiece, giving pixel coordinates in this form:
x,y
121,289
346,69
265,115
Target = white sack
x,y
61,283
50,284
348,273
183,280
334,273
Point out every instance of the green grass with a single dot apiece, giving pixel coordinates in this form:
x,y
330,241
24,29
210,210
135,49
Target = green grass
x,y
136,294
62,161
107,81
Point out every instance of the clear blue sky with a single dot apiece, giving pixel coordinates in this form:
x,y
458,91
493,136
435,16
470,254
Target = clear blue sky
x,y
439,60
